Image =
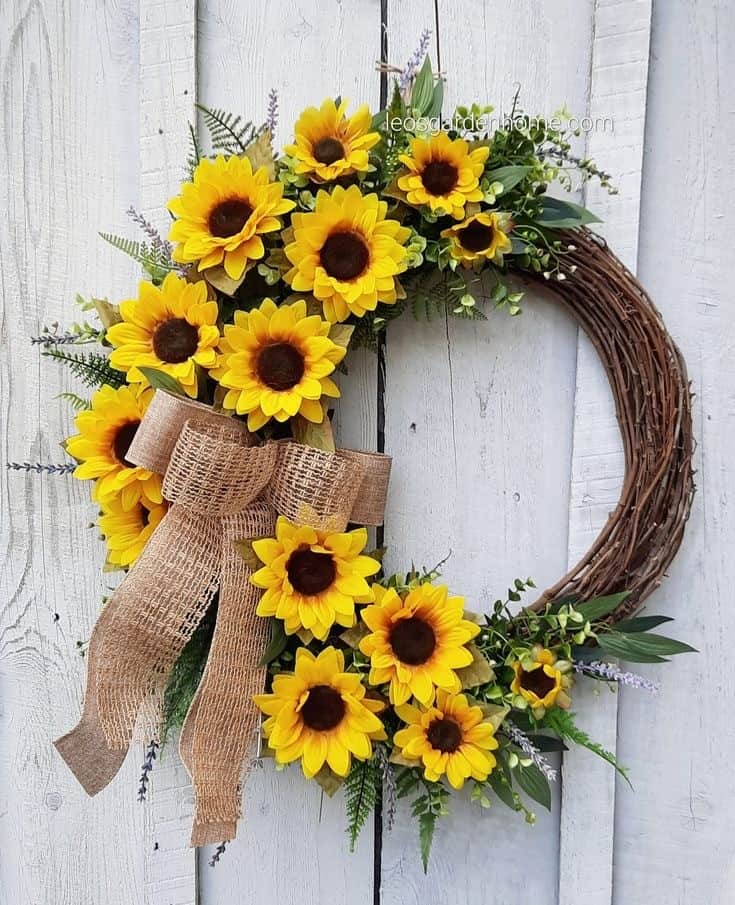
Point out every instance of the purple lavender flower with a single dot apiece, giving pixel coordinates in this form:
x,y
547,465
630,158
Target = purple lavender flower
x,y
529,749
612,674
145,776
414,61
158,243
218,852
271,119
43,467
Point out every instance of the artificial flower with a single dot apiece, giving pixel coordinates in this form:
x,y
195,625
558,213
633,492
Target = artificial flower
x,y
319,714
275,363
329,144
313,578
347,253
171,329
106,431
417,641
223,212
481,237
127,531
541,681
442,174
451,738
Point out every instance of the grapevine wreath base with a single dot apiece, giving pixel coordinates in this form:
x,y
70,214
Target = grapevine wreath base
x,y
251,608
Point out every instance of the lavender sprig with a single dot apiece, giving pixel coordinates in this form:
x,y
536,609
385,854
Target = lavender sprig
x,y
145,776
414,61
43,467
390,790
613,674
529,749
158,243
271,120
59,339
218,852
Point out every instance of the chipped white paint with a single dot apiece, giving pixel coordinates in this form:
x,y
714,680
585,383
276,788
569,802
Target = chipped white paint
x,y
501,433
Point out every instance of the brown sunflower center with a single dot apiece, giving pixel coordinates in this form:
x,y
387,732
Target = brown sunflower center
x,y
229,217
122,440
309,572
175,340
444,735
324,708
327,150
439,177
413,641
280,366
476,236
344,255
536,681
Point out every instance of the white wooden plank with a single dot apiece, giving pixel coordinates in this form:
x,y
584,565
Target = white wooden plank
x,y
479,420
307,51
69,163
167,97
618,104
673,837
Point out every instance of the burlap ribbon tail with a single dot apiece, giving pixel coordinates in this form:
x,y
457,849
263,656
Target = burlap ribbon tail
x,y
222,489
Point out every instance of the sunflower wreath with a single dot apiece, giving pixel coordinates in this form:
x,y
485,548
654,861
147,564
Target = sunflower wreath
x,y
253,605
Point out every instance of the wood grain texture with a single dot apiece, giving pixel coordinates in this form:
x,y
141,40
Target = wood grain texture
x,y
306,51
479,421
69,164
167,98
617,109
673,841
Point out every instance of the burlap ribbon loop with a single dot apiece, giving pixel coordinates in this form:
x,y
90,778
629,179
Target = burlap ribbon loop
x,y
223,488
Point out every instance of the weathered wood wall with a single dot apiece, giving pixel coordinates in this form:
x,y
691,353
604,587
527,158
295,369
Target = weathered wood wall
x,y
505,444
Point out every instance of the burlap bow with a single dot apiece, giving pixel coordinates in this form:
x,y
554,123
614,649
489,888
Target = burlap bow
x,y
222,488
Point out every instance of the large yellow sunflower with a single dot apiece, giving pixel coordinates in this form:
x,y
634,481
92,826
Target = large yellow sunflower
x,y
223,212
442,174
347,253
328,144
542,680
417,641
106,431
127,531
313,578
450,738
171,329
275,363
481,237
320,714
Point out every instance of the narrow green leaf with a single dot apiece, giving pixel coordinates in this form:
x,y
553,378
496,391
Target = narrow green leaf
x,y
159,380
616,645
641,623
508,176
427,824
423,89
277,644
560,214
534,784
601,606
502,789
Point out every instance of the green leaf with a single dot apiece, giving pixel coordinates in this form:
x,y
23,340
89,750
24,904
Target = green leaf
x,y
159,380
534,784
658,645
479,672
560,214
427,824
217,277
618,646
494,714
277,644
361,795
437,99
601,606
509,177
562,722
502,788
319,436
245,549
328,780
544,742
423,89
641,623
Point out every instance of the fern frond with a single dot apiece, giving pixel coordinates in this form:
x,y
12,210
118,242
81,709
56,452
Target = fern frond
x,y
195,153
228,133
92,368
155,262
76,402
361,795
562,722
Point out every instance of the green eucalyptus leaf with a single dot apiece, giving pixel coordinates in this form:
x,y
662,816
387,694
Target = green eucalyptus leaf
x,y
159,380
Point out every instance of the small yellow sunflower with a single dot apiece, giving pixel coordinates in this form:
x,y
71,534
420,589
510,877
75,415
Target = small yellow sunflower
x,y
127,531
417,641
449,738
481,237
313,578
442,174
106,431
542,681
320,714
223,212
172,329
275,363
347,253
329,144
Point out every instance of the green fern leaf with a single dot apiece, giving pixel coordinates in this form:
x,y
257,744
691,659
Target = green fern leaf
x,y
92,368
228,133
361,795
75,401
563,724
